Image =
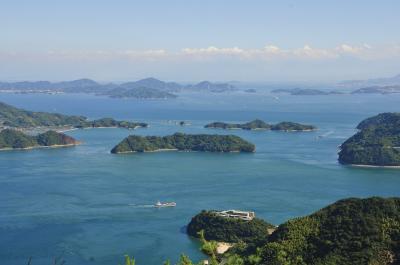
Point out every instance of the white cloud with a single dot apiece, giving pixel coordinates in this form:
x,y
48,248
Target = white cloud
x,y
268,53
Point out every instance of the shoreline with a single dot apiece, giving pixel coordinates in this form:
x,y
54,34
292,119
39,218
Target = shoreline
x,y
177,150
39,147
374,166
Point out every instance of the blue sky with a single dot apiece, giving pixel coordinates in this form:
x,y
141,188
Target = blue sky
x,y
196,40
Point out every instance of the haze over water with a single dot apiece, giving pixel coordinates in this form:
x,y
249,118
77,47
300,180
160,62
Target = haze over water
x,y
91,207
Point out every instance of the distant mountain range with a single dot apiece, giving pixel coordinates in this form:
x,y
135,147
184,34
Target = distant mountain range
x,y
145,88
389,81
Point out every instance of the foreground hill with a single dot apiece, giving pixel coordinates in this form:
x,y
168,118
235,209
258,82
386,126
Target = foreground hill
x,y
12,139
350,231
261,125
376,144
184,142
18,118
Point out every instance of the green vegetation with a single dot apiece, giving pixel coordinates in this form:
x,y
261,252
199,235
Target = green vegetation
x,y
377,143
228,229
14,117
19,118
252,125
350,231
383,119
261,125
109,122
12,139
292,126
184,142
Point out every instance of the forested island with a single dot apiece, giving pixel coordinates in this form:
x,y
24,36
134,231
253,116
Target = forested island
x,y
12,117
226,229
376,144
261,125
184,142
350,231
13,139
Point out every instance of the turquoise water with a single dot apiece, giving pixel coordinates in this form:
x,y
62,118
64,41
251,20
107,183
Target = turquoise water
x,y
91,207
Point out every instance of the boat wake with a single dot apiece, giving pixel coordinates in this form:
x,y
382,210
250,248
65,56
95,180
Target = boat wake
x,y
141,205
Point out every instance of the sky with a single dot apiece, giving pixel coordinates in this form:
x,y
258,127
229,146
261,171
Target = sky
x,y
187,40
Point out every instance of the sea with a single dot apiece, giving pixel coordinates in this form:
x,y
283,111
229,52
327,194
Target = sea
x,y
87,206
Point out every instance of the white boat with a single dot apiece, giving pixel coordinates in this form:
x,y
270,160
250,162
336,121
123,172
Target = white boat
x,y
164,204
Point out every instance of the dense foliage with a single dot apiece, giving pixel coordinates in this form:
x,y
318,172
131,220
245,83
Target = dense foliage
x,y
228,229
109,122
252,125
292,126
184,142
350,231
261,125
377,143
19,118
391,119
14,117
12,139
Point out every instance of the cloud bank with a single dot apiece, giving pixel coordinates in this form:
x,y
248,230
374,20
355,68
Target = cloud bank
x,y
267,53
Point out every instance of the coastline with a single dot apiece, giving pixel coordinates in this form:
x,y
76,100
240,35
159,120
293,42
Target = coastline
x,y
39,147
374,166
177,150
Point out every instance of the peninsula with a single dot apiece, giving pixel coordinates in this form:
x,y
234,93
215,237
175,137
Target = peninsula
x,y
12,139
183,142
12,117
327,236
376,144
261,125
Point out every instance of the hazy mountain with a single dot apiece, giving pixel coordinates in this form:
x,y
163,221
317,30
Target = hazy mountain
x,y
389,81
75,86
140,93
156,88
207,86
378,90
154,84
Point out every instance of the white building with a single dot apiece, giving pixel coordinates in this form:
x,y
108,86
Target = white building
x,y
243,215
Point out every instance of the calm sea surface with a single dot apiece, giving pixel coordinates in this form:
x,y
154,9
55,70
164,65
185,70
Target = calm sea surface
x,y
91,207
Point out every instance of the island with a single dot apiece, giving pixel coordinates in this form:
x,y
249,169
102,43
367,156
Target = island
x,y
250,90
111,123
218,226
183,142
261,125
12,117
377,143
252,125
139,93
349,231
378,90
12,139
306,92
147,88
